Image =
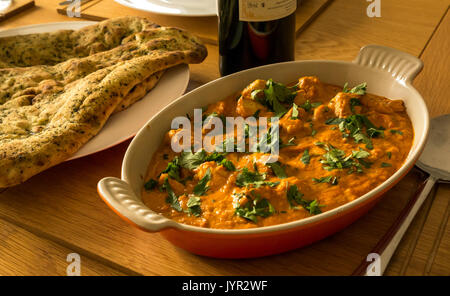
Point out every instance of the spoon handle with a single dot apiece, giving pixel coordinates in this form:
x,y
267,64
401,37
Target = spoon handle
x,y
390,240
386,255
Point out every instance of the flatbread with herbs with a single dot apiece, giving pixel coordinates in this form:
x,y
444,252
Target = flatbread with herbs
x,y
52,106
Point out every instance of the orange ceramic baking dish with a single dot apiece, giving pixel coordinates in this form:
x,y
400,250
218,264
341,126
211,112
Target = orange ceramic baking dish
x,y
388,72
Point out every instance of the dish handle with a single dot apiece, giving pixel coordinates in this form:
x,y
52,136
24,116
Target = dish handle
x,y
399,64
119,196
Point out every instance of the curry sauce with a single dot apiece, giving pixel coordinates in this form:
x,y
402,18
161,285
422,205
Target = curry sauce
x,y
336,144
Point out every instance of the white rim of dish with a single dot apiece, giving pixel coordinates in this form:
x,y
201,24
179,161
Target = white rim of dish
x,y
406,166
128,4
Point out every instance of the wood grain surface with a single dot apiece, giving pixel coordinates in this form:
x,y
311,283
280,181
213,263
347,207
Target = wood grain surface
x,y
58,211
205,27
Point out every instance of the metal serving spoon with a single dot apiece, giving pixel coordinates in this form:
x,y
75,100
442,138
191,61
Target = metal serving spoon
x,y
434,160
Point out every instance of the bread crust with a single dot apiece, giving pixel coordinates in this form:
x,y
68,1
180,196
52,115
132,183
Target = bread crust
x,y
47,112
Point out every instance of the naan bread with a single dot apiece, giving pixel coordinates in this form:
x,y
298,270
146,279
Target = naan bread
x,y
47,112
139,91
59,46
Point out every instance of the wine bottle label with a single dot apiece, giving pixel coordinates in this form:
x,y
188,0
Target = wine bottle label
x,y
265,10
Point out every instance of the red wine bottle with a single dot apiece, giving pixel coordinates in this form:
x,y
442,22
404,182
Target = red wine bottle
x,y
254,33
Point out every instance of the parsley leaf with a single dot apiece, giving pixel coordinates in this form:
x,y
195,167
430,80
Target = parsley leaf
x,y
385,165
193,205
277,169
360,154
329,179
355,125
171,199
360,89
201,187
289,143
313,131
275,95
294,111
150,184
354,102
334,121
393,131
206,118
336,159
173,169
305,157
253,208
308,105
190,161
228,164
295,196
314,207
247,178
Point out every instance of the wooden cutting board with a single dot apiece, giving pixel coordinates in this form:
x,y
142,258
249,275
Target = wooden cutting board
x,y
204,27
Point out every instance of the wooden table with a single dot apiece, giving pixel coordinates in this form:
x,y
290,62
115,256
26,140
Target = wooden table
x,y
58,212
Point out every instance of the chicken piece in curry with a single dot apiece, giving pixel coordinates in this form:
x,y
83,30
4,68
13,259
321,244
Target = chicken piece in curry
x,y
335,145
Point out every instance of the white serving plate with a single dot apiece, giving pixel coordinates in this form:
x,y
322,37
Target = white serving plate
x,y
194,8
125,124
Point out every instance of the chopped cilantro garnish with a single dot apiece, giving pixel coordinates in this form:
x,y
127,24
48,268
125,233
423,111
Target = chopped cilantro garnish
x,y
247,178
190,161
207,117
294,196
313,131
354,102
228,164
171,199
389,155
193,205
173,169
360,154
305,157
393,131
329,179
201,187
253,208
308,105
294,111
277,169
334,121
360,89
385,165
275,95
289,143
355,125
336,159
150,184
